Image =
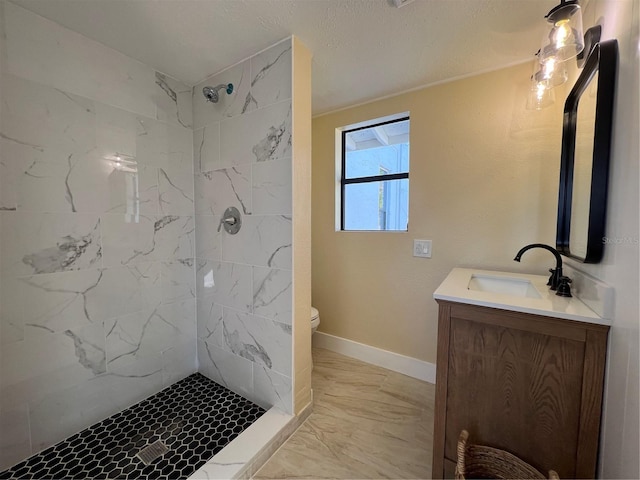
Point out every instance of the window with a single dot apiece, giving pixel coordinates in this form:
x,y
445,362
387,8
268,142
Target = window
x,y
374,178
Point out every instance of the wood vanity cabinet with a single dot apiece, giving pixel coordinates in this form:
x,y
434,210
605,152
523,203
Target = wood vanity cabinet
x,y
528,384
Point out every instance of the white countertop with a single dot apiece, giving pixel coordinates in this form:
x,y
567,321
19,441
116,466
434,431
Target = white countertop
x,y
454,288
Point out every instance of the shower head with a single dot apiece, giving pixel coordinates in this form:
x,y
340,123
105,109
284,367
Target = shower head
x,y
211,93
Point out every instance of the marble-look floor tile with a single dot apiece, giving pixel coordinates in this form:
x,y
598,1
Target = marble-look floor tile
x,y
321,385
366,404
409,390
339,368
367,422
388,455
315,450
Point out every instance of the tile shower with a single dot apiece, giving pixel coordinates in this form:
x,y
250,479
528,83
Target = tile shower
x,y
114,280
186,424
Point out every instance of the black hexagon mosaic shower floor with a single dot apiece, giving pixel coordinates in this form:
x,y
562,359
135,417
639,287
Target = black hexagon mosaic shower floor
x,y
194,418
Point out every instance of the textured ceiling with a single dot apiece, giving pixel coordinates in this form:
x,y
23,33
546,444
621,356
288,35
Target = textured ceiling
x,y
362,49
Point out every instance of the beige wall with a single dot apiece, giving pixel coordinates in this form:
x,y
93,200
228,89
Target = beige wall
x,y
619,268
483,183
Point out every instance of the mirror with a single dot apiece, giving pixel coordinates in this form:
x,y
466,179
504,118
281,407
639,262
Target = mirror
x,y
584,168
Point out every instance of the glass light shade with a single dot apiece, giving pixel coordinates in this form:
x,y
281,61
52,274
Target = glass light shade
x,y
564,38
541,95
551,71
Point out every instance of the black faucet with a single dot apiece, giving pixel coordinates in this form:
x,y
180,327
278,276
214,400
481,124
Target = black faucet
x,y
556,274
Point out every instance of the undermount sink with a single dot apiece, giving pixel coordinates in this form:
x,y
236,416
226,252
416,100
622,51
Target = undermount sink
x,y
517,287
520,292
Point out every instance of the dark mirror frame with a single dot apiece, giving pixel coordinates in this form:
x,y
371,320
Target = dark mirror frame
x,y
604,60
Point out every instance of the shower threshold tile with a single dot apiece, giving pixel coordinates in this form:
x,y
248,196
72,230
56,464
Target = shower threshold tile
x,y
179,429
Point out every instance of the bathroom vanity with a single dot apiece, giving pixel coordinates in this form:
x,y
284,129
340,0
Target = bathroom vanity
x,y
521,369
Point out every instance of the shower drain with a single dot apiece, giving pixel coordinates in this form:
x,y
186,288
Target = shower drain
x,y
149,453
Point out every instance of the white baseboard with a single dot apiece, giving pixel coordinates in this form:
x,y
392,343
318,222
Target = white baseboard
x,y
409,366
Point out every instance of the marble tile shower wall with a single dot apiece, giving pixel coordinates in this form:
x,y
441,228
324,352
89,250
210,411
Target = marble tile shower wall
x,y
243,158
97,292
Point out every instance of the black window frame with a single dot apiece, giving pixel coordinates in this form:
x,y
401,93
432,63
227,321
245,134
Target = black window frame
x,y
373,178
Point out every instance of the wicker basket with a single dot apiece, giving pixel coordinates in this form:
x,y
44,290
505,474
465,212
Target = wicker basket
x,y
479,461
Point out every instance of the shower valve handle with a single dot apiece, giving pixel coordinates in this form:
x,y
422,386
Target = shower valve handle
x,y
231,221
228,221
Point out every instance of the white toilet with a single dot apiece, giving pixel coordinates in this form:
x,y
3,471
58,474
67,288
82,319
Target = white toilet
x,y
315,319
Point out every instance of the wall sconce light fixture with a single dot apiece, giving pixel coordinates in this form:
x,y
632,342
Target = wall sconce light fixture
x,y
552,71
541,94
563,38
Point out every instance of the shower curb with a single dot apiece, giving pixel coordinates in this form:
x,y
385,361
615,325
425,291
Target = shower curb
x,y
249,451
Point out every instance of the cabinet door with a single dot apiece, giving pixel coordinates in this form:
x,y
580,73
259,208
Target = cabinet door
x,y
515,390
